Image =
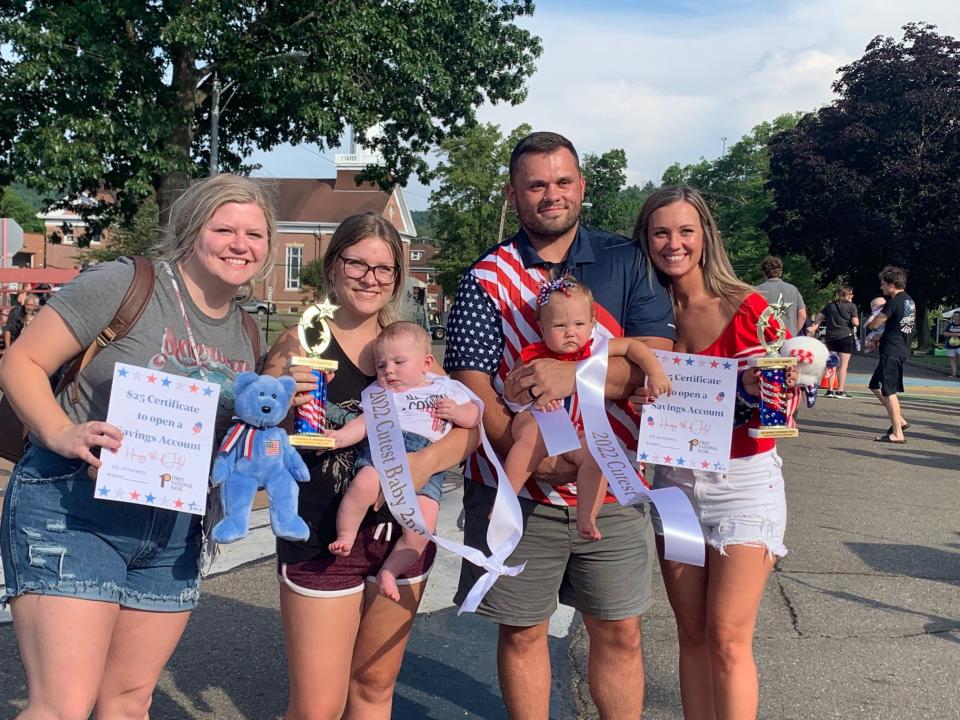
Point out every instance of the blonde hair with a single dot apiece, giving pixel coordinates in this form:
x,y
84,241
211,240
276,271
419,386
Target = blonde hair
x,y
351,231
400,329
718,275
192,210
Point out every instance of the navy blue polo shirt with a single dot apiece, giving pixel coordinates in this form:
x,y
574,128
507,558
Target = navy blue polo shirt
x,y
612,266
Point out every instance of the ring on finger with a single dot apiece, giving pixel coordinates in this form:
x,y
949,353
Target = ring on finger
x,y
533,395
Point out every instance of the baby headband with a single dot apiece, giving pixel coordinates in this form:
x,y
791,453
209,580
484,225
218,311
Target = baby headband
x,y
548,288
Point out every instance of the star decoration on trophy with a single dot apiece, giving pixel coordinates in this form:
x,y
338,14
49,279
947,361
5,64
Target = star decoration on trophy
x,y
313,330
775,311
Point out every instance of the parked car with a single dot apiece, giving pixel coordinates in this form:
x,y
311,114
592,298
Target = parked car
x,y
258,307
438,332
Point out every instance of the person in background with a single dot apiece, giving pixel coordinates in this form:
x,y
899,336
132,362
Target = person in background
x,y
952,341
897,320
775,289
19,318
842,322
872,340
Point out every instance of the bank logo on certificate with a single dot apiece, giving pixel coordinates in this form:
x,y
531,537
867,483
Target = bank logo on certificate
x,y
167,423
692,426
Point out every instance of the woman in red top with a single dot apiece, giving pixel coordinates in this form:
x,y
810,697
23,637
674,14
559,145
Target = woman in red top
x,y
743,512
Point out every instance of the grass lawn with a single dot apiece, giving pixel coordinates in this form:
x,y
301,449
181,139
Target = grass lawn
x,y
933,361
277,324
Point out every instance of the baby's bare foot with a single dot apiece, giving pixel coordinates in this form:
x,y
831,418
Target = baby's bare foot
x,y
388,585
342,545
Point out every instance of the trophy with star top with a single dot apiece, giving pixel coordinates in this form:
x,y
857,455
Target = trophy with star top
x,y
774,395
314,334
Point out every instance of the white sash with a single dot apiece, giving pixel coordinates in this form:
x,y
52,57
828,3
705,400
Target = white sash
x,y
558,433
390,459
682,536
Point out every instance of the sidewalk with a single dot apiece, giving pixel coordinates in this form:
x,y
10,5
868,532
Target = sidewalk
x,y
861,620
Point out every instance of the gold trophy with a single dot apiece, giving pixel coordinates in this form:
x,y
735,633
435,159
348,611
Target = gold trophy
x,y
773,376
314,335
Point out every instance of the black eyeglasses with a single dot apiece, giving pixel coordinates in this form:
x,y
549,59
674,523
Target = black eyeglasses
x,y
357,269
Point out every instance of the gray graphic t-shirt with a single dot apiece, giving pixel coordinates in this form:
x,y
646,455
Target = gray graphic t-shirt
x,y
158,341
774,289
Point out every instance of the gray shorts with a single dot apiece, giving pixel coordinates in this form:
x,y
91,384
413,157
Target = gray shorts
x,y
609,579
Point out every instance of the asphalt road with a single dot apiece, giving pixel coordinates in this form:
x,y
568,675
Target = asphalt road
x,y
860,620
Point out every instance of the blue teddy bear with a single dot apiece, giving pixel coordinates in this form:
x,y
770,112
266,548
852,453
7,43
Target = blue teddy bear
x,y
256,455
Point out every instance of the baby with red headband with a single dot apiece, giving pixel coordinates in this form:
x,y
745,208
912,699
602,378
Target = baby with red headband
x,y
566,315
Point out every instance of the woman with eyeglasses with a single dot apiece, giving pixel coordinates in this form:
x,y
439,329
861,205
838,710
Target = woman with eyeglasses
x,y
345,641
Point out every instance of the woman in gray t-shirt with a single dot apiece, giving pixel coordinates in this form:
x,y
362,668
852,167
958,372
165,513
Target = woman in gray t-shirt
x,y
97,586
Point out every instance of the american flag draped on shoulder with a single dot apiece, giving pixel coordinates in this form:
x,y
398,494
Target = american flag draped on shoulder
x,y
513,289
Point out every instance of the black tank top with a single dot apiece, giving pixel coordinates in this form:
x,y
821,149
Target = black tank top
x,y
331,472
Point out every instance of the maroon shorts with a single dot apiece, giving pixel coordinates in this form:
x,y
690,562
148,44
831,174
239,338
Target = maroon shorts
x,y
333,575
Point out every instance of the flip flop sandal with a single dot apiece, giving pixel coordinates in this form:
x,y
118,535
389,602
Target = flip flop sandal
x,y
887,439
902,427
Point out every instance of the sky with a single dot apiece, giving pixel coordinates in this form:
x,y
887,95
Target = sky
x,y
673,81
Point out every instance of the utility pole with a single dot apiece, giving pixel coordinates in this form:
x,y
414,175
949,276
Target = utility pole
x,y
214,126
503,219
723,146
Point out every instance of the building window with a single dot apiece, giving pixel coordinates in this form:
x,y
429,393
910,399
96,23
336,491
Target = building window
x,y
416,254
294,265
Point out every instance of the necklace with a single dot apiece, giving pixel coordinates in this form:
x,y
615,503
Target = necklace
x,y
186,320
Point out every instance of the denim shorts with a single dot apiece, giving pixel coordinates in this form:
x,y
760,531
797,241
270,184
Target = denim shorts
x,y
745,506
412,443
57,539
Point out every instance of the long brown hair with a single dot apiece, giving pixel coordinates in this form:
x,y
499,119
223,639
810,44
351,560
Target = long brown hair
x,y
351,231
718,275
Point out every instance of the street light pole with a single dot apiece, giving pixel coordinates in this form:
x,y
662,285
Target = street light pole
x,y
215,126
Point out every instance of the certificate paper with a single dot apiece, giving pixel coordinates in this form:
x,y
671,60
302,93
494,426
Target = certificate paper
x,y
693,426
167,423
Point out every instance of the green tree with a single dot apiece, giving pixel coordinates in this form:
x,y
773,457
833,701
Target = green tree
x,y
629,202
736,188
118,91
13,205
468,204
425,223
136,237
873,179
605,176
312,278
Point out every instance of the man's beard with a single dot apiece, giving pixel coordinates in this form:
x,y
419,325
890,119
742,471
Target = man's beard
x,y
534,224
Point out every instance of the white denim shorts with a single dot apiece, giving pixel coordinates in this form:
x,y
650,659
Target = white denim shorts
x,y
745,506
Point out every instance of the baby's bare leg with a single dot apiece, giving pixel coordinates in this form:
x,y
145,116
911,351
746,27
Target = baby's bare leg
x,y
361,494
591,491
408,550
526,452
